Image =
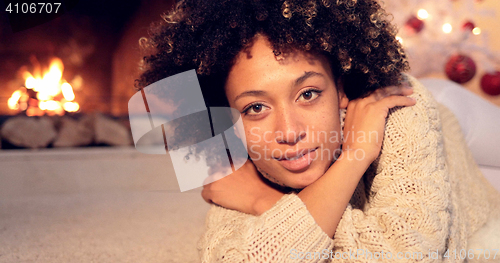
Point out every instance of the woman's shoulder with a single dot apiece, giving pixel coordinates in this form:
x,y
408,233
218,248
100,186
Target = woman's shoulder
x,y
412,146
411,130
414,125
423,117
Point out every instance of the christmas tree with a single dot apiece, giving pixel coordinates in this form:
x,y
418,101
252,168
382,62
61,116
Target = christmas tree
x,y
442,38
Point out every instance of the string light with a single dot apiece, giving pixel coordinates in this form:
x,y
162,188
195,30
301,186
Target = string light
x,y
447,28
398,38
422,14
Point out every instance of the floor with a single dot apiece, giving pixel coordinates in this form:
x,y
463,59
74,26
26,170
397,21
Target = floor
x,y
100,205
101,227
81,212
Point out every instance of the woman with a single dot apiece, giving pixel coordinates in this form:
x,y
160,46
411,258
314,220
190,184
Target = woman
x,y
293,68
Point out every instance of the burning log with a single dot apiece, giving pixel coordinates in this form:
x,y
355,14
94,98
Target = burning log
x,y
45,94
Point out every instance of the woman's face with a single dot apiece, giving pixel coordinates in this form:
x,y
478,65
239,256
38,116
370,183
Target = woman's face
x,y
290,112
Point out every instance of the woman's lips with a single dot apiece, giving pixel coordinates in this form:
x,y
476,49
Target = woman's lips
x,y
300,163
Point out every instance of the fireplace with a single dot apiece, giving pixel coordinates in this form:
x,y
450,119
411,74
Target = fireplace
x,y
74,73
64,203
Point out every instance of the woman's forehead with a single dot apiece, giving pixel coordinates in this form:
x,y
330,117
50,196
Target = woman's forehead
x,y
261,49
259,63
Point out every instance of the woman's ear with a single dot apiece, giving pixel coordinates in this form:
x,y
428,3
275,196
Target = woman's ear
x,y
343,100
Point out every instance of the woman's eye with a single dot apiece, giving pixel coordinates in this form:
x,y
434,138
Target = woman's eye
x,y
256,108
253,109
310,95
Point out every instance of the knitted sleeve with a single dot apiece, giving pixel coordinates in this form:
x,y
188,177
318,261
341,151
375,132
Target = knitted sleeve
x,y
408,213
283,233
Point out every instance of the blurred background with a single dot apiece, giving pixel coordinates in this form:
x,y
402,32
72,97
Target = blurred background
x,y
83,63
457,40
72,186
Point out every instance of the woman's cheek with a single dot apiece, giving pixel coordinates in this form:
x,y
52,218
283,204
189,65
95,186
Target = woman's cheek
x,y
254,152
254,135
255,141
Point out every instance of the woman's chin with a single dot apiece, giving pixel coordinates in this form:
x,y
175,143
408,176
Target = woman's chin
x,y
302,181
283,177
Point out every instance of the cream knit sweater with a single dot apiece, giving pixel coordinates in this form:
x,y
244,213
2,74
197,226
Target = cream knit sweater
x,y
422,197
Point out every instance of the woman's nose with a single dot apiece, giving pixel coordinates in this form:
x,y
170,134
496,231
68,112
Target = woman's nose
x,y
289,128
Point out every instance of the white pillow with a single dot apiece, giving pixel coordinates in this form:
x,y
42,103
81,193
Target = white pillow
x,y
478,118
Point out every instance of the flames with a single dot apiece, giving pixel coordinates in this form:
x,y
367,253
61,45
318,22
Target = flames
x,y
45,94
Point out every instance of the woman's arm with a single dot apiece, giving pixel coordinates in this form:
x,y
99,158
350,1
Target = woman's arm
x,y
327,198
409,209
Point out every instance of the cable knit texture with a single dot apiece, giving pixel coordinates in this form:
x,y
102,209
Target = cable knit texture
x,y
424,193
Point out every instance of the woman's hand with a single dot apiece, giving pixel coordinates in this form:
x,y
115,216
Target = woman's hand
x,y
365,121
327,198
245,190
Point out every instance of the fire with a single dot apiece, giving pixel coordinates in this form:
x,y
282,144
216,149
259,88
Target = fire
x,y
67,92
54,96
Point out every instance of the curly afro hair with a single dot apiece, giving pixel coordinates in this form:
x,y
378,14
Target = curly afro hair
x,y
206,35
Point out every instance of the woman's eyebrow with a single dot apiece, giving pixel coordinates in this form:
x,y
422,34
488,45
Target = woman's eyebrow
x,y
250,93
307,74
298,81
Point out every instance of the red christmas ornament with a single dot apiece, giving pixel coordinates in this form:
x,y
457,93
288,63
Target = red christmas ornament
x,y
490,83
468,26
460,68
414,24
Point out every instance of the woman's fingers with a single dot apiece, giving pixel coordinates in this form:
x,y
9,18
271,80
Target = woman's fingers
x,y
206,196
402,90
209,186
394,101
